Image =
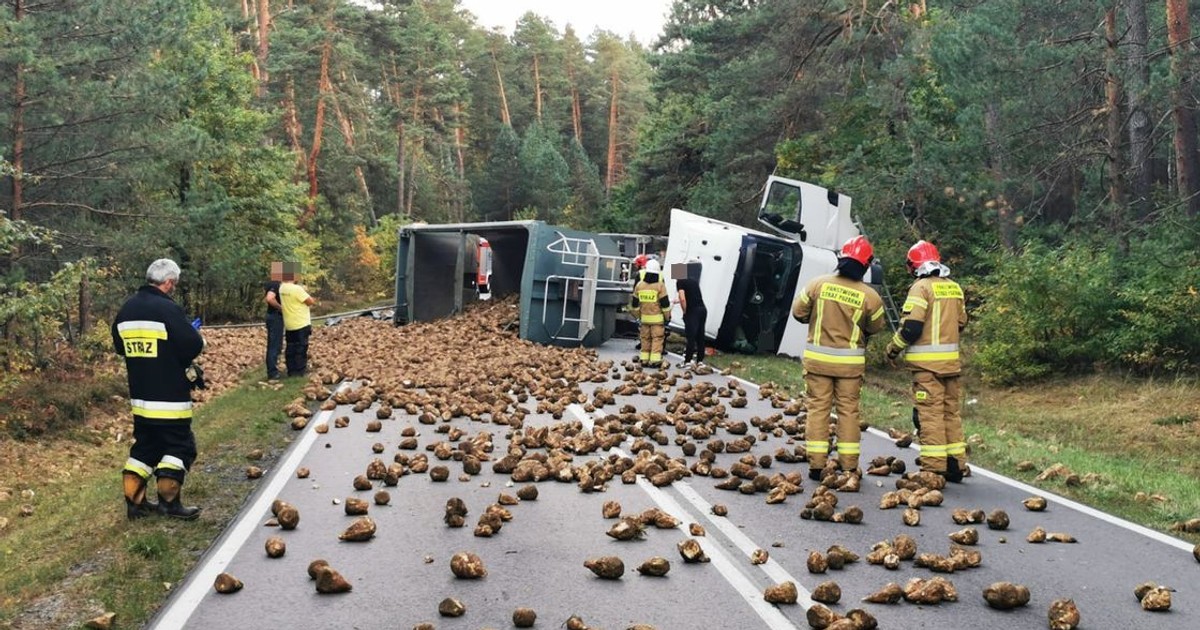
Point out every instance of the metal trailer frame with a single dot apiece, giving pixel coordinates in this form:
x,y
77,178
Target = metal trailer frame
x,y
569,281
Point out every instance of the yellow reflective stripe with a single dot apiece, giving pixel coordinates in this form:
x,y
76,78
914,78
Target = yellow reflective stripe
x,y
831,358
877,314
899,341
652,319
937,322
816,325
932,356
161,410
816,447
142,333
933,450
142,328
138,468
913,302
957,448
645,356
171,462
857,331
849,448
655,357
804,298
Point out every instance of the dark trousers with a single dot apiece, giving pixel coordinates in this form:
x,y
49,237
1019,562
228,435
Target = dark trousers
x,y
693,330
167,446
296,354
274,342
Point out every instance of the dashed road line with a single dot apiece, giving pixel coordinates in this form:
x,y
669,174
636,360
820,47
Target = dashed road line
x,y
725,565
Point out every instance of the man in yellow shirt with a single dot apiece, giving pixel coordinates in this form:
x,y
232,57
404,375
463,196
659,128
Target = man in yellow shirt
x,y
297,320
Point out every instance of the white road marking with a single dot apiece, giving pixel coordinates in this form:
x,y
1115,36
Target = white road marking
x,y
773,569
720,560
201,578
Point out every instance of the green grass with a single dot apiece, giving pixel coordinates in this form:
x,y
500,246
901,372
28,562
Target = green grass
x,y
1135,435
79,547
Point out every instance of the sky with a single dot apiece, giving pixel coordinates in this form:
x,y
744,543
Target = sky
x,y
643,18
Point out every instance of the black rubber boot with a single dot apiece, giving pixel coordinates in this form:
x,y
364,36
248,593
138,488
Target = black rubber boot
x,y
136,503
954,473
173,506
815,473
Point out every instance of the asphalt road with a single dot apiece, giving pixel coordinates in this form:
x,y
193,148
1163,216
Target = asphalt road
x,y
536,560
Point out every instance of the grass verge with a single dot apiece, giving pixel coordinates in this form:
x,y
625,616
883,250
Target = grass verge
x,y
1121,435
78,556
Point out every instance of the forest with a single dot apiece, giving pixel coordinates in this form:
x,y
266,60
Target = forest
x,y
1048,148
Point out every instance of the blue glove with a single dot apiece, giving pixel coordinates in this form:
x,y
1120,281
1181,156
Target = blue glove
x,y
196,323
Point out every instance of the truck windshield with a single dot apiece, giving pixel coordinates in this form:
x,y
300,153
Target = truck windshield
x,y
781,210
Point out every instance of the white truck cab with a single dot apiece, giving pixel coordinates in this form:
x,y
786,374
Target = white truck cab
x,y
749,278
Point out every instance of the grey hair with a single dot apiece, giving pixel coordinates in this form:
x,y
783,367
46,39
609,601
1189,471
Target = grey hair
x,y
162,270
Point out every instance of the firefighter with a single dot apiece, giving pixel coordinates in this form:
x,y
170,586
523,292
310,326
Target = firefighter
x,y
651,306
932,319
841,312
159,345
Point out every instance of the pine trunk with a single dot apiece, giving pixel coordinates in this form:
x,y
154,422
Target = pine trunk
x,y
310,209
537,89
1179,32
347,129
1137,81
18,127
264,37
610,178
291,123
1112,98
1005,217
504,117
576,110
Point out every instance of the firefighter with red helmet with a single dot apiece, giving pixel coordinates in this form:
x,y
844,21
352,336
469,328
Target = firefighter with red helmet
x,y
931,322
841,312
651,305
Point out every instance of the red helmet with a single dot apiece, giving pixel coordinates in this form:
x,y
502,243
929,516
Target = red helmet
x,y
640,261
858,248
921,253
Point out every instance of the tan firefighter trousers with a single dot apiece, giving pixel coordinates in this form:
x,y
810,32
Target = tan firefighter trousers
x,y
822,393
651,336
938,401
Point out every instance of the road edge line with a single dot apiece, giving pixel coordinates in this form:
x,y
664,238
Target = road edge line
x,y
201,577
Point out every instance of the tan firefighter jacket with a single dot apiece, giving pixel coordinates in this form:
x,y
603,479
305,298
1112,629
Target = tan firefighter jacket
x,y
938,303
650,302
840,313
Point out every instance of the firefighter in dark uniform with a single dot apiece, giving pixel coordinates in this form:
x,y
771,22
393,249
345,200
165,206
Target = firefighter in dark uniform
x,y
932,319
841,312
651,305
159,345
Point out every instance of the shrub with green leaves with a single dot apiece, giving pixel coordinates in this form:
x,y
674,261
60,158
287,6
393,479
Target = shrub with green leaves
x,y
1046,310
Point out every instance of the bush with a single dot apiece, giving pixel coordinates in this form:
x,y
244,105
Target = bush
x,y
1077,308
1046,310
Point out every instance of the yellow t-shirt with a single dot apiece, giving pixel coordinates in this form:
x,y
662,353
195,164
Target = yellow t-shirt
x,y
296,314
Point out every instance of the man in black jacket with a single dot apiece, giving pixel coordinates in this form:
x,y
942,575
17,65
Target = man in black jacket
x,y
159,344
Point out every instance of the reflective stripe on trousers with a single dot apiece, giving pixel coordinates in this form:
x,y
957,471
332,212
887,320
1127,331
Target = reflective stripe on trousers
x,y
158,410
847,356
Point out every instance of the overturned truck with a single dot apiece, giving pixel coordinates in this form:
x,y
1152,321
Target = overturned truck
x,y
570,282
